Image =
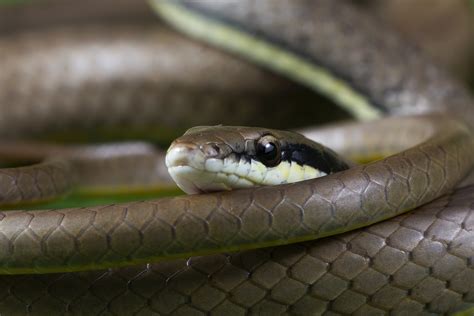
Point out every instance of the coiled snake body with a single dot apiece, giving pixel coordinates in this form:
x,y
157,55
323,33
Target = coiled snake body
x,y
418,262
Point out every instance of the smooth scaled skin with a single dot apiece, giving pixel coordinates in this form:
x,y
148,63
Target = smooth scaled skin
x,y
416,263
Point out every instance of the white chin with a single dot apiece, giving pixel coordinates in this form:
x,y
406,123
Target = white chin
x,y
185,178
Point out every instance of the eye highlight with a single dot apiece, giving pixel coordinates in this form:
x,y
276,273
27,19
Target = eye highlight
x,y
268,151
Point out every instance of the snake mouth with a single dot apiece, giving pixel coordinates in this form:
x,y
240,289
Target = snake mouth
x,y
195,170
193,181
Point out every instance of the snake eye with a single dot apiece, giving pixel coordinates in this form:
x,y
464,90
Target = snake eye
x,y
268,151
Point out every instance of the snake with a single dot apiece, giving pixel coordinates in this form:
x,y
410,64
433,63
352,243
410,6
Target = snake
x,y
394,236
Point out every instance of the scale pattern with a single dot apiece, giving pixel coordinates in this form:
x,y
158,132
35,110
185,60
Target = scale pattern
x,y
397,266
139,232
40,182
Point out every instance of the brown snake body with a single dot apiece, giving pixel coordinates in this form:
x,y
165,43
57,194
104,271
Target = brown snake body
x,y
419,262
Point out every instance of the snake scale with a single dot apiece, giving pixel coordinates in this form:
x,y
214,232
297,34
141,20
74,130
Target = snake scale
x,y
418,262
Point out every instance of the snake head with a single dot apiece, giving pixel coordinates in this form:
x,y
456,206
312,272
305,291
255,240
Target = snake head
x,y
217,158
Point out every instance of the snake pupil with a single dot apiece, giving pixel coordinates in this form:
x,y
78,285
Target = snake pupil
x,y
268,151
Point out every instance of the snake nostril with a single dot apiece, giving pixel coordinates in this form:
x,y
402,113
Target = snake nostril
x,y
211,150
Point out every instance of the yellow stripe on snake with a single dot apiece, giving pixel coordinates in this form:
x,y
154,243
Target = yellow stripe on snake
x,y
249,251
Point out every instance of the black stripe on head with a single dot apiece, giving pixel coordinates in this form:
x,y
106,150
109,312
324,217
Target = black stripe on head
x,y
322,159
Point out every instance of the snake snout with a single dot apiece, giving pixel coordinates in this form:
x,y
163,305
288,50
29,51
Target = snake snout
x,y
185,154
184,161
198,167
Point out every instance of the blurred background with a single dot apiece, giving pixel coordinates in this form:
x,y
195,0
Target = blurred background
x,y
444,29
65,61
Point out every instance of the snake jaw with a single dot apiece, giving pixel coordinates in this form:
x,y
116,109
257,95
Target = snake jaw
x,y
195,170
